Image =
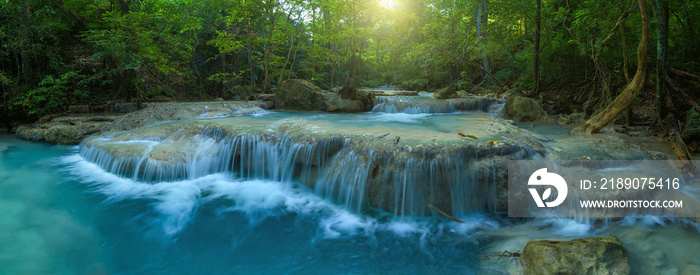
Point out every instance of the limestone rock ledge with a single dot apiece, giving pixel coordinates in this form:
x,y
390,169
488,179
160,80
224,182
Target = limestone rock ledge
x,y
354,166
65,130
73,128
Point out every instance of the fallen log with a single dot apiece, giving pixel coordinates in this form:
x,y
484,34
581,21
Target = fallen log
x,y
684,73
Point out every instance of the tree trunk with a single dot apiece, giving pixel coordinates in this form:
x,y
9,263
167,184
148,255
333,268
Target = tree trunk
x,y
628,111
665,106
270,45
594,124
482,19
286,61
661,15
625,61
294,59
620,22
536,59
79,23
250,67
124,7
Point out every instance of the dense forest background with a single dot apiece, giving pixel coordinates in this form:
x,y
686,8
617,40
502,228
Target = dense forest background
x,y
55,53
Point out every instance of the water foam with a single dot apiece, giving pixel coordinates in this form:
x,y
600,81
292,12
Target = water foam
x,y
176,203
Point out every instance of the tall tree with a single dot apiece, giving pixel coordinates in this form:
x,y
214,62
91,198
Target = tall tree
x,y
622,101
661,16
482,20
536,55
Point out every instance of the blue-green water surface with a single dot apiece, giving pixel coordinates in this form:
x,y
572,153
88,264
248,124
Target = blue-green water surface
x,y
62,215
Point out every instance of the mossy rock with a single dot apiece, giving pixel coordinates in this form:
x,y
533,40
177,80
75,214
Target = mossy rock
x,y
597,255
462,93
520,109
446,93
300,95
513,93
691,131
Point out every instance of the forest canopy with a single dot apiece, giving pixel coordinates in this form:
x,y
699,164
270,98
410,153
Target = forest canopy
x,y
55,53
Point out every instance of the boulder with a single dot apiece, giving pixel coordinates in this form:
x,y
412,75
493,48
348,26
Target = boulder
x,y
300,95
462,93
446,93
512,93
297,94
597,255
520,108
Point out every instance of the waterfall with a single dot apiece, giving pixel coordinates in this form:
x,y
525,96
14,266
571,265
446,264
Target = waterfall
x,y
427,105
251,156
397,179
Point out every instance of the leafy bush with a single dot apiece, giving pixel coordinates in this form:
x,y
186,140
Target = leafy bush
x,y
373,83
53,94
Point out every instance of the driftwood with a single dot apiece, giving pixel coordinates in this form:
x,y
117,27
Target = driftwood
x,y
683,96
501,255
444,214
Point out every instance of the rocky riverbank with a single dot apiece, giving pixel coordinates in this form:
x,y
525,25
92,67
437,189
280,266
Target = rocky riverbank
x,y
73,127
455,162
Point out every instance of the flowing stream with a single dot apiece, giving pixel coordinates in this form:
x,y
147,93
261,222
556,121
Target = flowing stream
x,y
63,214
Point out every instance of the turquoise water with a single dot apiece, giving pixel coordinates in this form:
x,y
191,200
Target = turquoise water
x,y
62,215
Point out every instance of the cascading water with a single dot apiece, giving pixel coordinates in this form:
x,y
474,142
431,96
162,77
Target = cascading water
x,y
403,183
289,193
355,171
429,105
251,156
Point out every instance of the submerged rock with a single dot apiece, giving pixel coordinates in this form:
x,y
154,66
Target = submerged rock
x,y
520,108
300,95
597,255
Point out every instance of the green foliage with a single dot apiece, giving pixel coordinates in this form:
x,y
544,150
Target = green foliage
x,y
224,48
415,84
152,42
53,94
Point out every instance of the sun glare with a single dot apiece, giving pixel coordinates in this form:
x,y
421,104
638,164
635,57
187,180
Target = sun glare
x,y
388,4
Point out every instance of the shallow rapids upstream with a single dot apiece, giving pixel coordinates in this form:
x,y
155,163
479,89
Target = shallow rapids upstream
x,y
63,212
